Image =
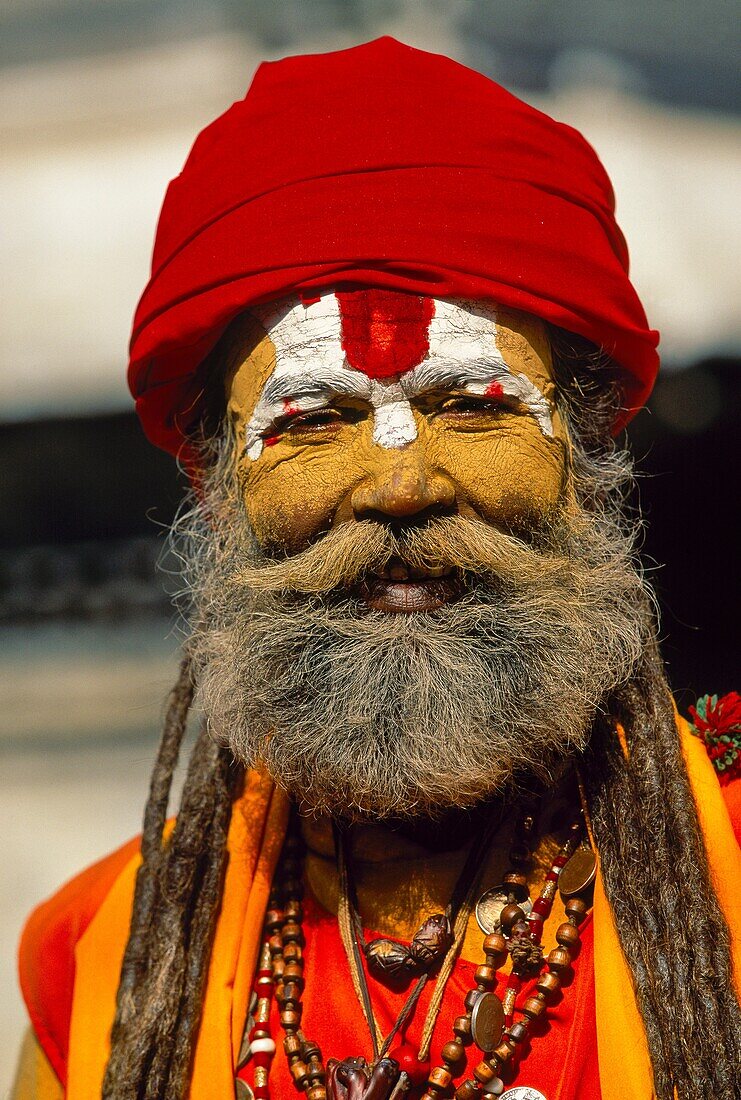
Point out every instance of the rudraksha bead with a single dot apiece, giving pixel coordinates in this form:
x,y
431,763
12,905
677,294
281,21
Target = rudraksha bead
x,y
440,1077
559,959
453,1052
495,944
520,929
503,1052
291,1018
316,1092
293,971
486,976
518,1032
299,1072
548,984
515,878
484,1072
292,932
462,1028
534,1007
468,1090
519,853
576,909
509,916
567,935
291,991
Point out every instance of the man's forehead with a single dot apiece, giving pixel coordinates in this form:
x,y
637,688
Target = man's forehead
x,y
385,333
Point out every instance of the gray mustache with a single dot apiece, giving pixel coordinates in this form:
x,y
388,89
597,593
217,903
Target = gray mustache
x,y
341,557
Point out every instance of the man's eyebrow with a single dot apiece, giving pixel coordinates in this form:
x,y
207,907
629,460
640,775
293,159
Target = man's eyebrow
x,y
456,374
297,383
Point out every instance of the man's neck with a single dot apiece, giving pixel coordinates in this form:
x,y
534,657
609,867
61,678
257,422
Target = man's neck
x,y
405,874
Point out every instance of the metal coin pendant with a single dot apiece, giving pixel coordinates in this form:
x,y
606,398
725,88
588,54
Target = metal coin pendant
x,y
578,874
489,906
487,1022
522,1092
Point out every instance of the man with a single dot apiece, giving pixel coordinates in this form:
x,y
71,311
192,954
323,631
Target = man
x,y
390,331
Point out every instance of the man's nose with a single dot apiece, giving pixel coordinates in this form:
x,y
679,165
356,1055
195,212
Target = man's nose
x,y
404,488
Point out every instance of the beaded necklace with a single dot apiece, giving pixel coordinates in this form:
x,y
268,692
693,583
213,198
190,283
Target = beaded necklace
x,y
512,927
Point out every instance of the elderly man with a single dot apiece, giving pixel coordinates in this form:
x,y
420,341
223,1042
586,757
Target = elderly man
x,y
442,832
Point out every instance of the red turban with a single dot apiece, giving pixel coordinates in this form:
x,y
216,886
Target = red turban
x,y
380,166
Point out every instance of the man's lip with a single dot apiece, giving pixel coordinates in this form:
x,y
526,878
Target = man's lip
x,y
408,596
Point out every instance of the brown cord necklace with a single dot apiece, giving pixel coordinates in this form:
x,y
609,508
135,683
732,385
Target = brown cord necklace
x,y
438,940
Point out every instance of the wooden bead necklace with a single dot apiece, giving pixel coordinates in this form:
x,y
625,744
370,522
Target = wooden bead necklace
x,y
514,928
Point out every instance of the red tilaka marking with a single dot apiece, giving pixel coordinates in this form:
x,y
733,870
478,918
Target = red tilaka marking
x,y
494,389
384,332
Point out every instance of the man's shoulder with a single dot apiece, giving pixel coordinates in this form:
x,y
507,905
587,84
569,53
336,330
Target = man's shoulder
x,y
47,951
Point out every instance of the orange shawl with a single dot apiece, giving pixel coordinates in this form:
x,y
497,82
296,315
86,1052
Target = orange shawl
x,y
255,837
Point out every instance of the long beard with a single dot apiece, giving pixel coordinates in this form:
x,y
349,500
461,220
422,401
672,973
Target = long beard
x,y
357,712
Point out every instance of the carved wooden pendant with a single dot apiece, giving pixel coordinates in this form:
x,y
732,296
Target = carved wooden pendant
x,y
354,1079
430,943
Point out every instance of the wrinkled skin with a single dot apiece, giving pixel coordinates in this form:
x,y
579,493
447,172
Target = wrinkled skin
x,y
470,457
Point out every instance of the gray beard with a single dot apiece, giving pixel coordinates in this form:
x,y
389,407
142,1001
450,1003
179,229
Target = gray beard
x,y
357,712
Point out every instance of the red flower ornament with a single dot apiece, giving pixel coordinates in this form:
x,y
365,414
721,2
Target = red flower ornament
x,y
717,722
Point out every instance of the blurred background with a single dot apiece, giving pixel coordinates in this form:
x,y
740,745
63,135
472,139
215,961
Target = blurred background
x,y
100,101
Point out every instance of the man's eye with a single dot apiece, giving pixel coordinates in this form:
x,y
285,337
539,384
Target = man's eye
x,y
319,418
472,406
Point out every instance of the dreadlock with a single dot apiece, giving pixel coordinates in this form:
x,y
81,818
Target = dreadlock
x,y
178,889
654,866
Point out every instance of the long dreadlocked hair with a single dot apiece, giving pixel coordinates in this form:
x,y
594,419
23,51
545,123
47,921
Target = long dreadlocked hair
x,y
654,865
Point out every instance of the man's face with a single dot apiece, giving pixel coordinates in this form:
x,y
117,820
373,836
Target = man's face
x,y
402,604
392,408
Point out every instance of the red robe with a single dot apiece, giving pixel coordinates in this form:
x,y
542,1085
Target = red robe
x,y
561,1062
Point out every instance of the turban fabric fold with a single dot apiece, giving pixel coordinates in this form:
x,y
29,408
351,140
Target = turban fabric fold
x,y
385,166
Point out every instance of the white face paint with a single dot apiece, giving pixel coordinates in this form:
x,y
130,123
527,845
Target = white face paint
x,y
311,369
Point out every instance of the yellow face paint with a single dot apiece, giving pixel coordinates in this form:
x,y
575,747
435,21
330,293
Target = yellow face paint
x,y
472,428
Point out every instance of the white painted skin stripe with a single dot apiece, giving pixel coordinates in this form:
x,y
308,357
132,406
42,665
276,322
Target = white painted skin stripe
x,y
393,419
474,376
303,335
311,370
